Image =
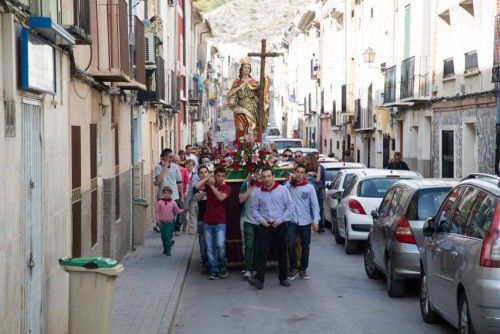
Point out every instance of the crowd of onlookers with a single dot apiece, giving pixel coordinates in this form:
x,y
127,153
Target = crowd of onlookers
x,y
191,198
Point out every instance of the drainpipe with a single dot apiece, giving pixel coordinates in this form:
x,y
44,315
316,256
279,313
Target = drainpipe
x,y
131,56
497,91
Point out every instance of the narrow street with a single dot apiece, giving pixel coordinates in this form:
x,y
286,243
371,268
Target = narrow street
x,y
339,298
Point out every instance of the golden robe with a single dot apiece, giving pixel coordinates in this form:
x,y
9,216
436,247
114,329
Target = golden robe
x,y
243,99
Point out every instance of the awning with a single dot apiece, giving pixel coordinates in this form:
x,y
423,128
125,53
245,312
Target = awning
x,y
50,30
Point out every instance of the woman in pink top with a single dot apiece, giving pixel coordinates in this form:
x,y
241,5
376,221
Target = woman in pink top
x,y
165,211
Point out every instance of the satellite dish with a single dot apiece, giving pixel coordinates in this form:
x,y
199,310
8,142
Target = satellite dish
x,y
202,56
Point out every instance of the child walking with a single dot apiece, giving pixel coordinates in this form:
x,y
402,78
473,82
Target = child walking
x,y
165,211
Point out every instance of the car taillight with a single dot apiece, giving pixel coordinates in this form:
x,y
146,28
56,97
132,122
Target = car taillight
x,y
490,251
404,233
356,207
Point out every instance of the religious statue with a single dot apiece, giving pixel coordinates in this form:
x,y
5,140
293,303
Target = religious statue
x,y
243,100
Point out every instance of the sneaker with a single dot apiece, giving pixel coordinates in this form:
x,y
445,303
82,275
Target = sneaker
x,y
256,283
177,233
168,253
293,274
243,271
213,276
304,275
224,273
285,283
247,274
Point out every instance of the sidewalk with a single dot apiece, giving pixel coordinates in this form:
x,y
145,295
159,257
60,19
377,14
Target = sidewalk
x,y
148,291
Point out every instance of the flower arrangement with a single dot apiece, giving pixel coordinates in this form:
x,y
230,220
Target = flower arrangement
x,y
245,154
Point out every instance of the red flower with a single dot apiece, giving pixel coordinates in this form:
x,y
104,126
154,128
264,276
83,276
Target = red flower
x,y
236,165
251,166
262,152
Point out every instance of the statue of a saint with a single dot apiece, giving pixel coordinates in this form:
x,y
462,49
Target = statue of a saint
x,y
243,100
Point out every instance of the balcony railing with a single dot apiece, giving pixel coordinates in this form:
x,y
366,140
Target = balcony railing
x,y
155,83
113,45
194,96
407,78
390,85
80,28
415,83
496,53
138,59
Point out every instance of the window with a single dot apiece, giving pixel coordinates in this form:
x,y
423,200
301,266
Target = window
x,y
395,204
447,154
344,98
330,174
462,211
446,211
384,206
407,78
347,179
481,216
350,186
448,68
427,203
336,181
471,62
376,188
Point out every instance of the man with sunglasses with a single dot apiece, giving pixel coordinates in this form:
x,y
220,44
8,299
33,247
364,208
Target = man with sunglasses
x,y
287,155
299,157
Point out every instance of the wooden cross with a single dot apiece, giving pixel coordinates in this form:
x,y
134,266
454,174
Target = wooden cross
x,y
260,111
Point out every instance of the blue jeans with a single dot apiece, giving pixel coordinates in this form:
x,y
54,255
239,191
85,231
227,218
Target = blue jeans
x,y
203,244
215,236
305,240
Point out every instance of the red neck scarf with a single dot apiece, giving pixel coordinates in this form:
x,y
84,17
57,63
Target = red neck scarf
x,y
275,185
297,184
167,200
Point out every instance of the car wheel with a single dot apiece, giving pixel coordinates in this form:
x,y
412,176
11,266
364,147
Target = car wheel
x,y
465,322
395,288
350,246
336,233
333,221
428,314
371,269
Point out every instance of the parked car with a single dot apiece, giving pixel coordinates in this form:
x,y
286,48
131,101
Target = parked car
x,y
272,133
284,143
362,195
396,232
460,257
334,191
304,150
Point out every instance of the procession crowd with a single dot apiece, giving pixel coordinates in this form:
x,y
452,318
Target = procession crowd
x,y
191,198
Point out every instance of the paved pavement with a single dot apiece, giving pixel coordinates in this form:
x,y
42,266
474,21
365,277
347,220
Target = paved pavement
x,y
338,299
147,293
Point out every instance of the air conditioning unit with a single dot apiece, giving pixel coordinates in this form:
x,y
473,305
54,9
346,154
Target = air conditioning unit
x,y
149,48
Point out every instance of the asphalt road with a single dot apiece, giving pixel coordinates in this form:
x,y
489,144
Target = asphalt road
x,y
339,298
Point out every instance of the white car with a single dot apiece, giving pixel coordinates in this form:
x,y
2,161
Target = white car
x,y
284,143
340,174
362,195
271,134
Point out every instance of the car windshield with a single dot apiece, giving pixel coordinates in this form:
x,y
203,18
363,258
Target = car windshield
x,y
273,132
330,174
376,188
429,201
282,144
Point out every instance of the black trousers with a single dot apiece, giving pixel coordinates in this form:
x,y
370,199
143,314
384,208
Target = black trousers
x,y
265,237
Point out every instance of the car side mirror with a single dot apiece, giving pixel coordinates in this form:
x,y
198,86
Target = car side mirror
x,y
428,229
374,214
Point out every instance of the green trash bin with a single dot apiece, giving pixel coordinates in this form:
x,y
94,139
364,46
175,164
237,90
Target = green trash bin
x,y
140,217
91,291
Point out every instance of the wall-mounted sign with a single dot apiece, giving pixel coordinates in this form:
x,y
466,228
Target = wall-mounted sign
x,y
37,64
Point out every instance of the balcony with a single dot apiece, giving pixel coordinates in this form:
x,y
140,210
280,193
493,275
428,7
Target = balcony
x,y
390,85
79,26
155,85
496,53
138,69
415,83
113,45
173,103
194,97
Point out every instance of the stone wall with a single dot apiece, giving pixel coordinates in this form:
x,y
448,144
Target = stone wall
x,y
485,129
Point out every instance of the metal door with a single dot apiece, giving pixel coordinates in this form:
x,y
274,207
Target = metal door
x,y
31,183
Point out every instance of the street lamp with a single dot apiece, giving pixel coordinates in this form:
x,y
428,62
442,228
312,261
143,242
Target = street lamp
x,y
369,55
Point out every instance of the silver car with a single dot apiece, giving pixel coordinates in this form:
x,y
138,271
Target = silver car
x,y
461,258
396,232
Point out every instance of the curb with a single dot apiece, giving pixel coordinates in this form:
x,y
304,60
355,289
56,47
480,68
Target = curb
x,y
167,323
